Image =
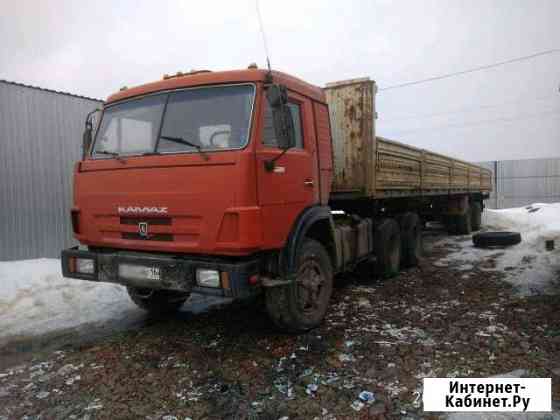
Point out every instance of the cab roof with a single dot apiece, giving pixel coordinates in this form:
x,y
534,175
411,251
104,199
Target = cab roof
x,y
221,77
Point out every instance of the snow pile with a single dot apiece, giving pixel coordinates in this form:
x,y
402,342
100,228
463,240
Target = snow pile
x,y
537,222
35,298
529,265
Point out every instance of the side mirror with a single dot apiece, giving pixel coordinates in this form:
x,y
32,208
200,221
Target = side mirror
x,y
87,137
284,127
86,140
277,96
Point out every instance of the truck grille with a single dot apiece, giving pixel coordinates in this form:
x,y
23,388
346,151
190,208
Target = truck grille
x,y
183,230
150,237
151,221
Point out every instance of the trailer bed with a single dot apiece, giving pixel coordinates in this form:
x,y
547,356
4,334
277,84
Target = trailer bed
x,y
402,169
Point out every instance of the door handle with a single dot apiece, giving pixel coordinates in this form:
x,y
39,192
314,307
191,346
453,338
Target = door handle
x,y
308,183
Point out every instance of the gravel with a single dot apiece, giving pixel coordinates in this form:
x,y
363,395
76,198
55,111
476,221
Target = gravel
x,y
379,337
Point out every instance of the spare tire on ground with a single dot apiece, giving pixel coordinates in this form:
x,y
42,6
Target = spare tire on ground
x,y
490,239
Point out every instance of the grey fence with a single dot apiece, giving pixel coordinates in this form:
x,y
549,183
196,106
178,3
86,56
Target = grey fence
x,y
40,139
521,182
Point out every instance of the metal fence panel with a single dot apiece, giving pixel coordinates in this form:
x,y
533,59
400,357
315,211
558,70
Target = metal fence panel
x,y
40,139
521,182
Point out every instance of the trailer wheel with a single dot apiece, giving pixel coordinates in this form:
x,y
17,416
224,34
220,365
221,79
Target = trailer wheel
x,y
411,239
476,215
387,247
157,301
460,224
302,305
464,224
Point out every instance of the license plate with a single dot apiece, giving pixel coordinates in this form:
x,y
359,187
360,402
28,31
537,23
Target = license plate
x,y
139,272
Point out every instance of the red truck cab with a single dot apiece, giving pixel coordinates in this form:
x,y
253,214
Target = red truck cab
x,y
211,202
185,188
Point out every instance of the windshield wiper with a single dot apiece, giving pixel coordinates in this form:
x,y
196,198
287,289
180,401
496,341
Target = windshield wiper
x,y
181,140
106,152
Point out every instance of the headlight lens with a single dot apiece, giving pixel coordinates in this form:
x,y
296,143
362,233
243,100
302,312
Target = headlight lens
x,y
85,266
207,278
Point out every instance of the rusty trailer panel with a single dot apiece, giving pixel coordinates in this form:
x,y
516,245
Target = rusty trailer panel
x,y
366,166
352,115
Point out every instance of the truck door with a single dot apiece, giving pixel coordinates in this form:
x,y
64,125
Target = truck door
x,y
293,185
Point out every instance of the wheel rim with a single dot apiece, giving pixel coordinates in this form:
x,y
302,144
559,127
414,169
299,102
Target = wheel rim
x,y
310,285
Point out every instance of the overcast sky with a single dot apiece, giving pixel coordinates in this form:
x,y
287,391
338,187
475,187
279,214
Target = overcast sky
x,y
509,112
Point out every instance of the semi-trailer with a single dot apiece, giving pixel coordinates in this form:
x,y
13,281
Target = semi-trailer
x,y
253,182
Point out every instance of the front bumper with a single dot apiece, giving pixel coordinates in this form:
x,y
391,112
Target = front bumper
x,y
173,272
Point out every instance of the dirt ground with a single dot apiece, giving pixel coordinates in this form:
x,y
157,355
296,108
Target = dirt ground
x,y
436,320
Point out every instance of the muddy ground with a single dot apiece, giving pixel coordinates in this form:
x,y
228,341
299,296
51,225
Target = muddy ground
x,y
436,320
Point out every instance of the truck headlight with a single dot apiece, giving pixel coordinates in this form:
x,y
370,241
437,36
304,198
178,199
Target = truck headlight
x,y
207,278
85,266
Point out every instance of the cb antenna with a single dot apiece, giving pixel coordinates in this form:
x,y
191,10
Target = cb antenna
x,y
264,41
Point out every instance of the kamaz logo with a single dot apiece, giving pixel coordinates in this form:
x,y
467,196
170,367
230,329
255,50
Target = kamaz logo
x,y
143,229
143,210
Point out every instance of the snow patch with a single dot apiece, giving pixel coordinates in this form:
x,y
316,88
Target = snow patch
x,y
529,265
36,298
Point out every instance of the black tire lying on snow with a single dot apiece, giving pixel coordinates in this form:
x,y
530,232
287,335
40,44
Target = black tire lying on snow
x,y
489,239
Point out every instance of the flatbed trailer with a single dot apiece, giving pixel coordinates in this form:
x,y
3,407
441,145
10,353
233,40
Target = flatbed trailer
x,y
251,182
369,166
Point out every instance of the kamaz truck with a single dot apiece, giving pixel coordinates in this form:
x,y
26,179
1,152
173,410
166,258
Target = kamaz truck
x,y
253,182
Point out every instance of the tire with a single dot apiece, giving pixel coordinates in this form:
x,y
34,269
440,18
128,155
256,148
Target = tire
x,y
411,239
490,239
302,305
387,248
476,215
157,301
461,224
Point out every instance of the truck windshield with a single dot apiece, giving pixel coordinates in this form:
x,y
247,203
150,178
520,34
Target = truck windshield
x,y
190,120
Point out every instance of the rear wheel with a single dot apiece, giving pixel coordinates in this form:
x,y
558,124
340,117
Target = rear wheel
x,y
303,304
464,223
411,239
460,224
476,215
157,301
387,248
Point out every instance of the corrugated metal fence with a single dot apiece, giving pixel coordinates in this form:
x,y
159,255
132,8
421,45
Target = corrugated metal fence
x,y
521,182
40,139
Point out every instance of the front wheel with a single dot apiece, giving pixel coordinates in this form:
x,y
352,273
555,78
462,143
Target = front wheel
x,y
157,301
302,305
